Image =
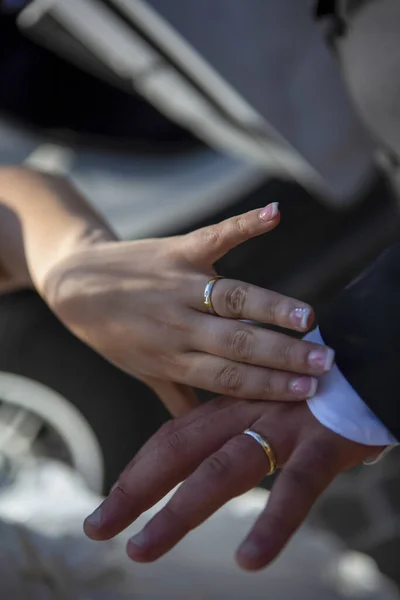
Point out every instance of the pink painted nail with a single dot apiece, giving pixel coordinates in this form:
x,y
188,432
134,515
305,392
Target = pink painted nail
x,y
321,359
300,317
269,212
305,387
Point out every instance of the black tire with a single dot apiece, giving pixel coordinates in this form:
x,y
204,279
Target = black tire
x,y
122,412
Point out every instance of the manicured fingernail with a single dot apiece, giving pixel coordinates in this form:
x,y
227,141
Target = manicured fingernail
x,y
305,387
140,540
300,317
95,518
269,212
321,359
249,549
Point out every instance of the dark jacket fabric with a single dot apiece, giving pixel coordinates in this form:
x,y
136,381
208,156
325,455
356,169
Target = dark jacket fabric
x,y
363,326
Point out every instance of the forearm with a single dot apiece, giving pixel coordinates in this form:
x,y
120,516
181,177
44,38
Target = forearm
x,y
42,220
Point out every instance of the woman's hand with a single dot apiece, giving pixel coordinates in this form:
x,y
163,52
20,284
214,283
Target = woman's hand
x,y
208,449
140,304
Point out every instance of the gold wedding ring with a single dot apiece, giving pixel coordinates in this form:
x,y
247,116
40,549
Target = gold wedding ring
x,y
266,447
207,294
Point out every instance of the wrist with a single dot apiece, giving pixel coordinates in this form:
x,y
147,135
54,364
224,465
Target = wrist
x,y
43,220
68,255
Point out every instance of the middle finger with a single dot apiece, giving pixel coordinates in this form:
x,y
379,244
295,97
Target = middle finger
x,y
249,344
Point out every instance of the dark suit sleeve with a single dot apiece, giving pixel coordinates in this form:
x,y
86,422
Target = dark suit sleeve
x,y
363,326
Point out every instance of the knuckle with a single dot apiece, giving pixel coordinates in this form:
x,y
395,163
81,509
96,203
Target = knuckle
x,y
175,519
241,344
167,428
121,489
218,465
235,300
284,353
229,379
242,225
181,368
268,386
176,441
172,515
132,463
170,365
212,236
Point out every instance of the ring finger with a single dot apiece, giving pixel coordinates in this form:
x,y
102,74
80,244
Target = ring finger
x,y
237,300
234,469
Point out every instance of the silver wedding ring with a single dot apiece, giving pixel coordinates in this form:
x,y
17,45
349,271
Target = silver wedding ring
x,y
207,294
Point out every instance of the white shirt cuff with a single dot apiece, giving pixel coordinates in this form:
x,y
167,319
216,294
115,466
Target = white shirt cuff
x,y
338,407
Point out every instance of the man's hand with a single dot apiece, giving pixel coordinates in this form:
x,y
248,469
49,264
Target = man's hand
x,y
208,450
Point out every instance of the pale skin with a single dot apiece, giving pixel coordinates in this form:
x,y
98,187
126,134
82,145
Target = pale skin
x,y
140,303
209,452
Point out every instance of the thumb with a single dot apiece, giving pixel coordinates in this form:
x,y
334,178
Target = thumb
x,y
177,398
209,244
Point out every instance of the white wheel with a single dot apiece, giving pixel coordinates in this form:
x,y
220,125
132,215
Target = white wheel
x,y
29,409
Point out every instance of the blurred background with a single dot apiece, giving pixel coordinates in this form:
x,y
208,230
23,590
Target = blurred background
x,y
156,112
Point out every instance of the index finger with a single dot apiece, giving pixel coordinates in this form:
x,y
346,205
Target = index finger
x,y
207,245
306,475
